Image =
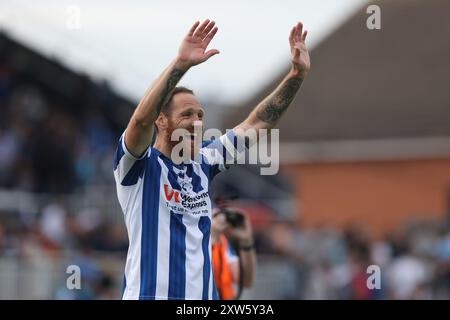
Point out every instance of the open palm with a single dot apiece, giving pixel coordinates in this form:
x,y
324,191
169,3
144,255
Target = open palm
x,y
193,48
299,52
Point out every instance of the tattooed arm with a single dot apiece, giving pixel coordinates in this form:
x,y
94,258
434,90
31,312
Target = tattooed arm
x,y
192,52
267,114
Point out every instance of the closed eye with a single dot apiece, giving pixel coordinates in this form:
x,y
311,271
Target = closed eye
x,y
190,112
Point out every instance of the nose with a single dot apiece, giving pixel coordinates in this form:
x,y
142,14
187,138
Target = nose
x,y
196,117
197,122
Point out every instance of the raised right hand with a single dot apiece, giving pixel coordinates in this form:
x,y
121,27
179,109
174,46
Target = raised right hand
x,y
193,48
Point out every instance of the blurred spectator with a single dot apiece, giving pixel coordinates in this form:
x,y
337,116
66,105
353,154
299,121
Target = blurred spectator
x,y
233,252
441,280
407,276
53,223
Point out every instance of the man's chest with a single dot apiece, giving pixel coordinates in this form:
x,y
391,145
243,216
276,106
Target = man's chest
x,y
185,190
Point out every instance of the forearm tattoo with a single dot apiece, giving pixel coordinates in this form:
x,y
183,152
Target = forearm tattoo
x,y
272,109
171,83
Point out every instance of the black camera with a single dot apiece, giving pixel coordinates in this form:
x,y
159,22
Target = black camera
x,y
234,218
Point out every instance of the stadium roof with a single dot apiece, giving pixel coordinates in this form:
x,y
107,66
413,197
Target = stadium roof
x,y
75,91
375,85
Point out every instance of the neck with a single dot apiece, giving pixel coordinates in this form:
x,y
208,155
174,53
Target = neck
x,y
163,147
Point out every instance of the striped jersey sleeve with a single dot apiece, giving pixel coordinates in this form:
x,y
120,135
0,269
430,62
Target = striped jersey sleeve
x,y
128,171
217,155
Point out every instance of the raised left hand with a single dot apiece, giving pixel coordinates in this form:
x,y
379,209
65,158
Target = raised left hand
x,y
299,52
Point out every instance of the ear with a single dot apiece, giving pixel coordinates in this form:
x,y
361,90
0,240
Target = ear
x,y
161,121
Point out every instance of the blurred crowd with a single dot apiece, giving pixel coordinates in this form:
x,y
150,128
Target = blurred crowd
x,y
327,263
55,238
322,263
47,146
56,137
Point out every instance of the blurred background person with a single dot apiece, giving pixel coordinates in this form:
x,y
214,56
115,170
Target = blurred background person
x,y
233,252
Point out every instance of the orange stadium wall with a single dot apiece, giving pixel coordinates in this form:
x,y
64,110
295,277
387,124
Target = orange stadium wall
x,y
379,196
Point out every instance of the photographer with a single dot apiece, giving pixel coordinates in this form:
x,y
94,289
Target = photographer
x,y
233,271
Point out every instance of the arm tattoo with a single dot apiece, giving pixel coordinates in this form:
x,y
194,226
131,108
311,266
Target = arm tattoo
x,y
272,109
171,83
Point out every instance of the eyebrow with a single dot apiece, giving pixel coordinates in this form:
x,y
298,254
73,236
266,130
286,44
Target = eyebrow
x,y
192,109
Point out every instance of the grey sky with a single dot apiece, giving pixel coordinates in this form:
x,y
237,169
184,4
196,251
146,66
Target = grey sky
x,y
130,42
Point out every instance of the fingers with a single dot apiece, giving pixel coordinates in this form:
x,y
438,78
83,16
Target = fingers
x,y
304,36
299,31
291,37
201,29
208,28
209,37
297,34
211,53
191,31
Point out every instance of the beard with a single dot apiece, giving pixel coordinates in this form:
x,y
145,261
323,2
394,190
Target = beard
x,y
191,143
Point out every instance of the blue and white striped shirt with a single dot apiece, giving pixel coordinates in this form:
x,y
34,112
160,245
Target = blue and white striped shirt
x,y
167,211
